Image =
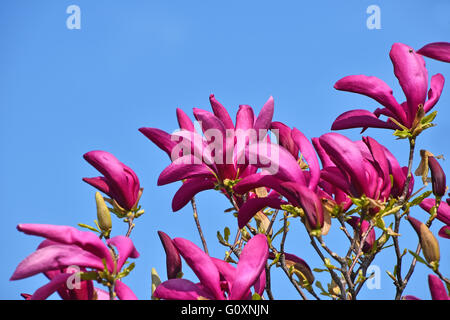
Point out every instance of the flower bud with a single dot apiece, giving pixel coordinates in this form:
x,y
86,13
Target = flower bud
x,y
299,268
437,177
173,260
428,241
103,214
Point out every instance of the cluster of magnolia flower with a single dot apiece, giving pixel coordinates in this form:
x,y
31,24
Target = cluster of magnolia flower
x,y
267,170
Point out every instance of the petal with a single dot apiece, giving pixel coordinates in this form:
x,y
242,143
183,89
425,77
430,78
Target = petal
x,y
437,288
284,137
184,121
162,139
264,118
125,248
252,206
201,264
55,257
436,50
374,88
188,190
180,289
409,68
245,118
360,119
258,180
71,236
221,113
443,212
252,262
308,153
101,184
276,161
183,168
346,156
436,87
173,260
444,232
123,291
324,158
47,290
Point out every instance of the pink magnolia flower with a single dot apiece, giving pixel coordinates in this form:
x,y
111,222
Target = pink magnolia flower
x,y
437,289
119,181
173,260
436,50
362,167
66,247
289,180
410,70
210,160
219,280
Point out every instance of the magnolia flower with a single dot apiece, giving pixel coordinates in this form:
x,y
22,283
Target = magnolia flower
x,y
438,180
437,289
219,280
443,214
289,180
66,247
410,70
436,50
362,167
204,163
119,182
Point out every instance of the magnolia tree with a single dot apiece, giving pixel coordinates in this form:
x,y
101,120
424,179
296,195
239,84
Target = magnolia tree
x,y
275,178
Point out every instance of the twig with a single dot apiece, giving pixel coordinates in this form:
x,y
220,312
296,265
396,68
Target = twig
x,y
199,228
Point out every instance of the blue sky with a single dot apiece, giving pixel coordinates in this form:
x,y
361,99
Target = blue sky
x,y
65,92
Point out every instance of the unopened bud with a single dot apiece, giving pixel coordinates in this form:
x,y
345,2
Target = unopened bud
x,y
103,214
173,260
428,241
437,177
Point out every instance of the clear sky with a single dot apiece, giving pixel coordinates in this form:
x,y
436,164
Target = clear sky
x,y
65,92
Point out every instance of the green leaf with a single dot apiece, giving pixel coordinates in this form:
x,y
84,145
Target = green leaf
x,y
420,198
90,275
222,240
403,134
126,271
226,233
429,117
418,258
277,258
320,270
88,227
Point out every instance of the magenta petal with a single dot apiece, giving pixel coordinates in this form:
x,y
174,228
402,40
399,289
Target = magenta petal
x,y
226,270
437,288
123,291
276,161
252,206
221,113
55,257
443,212
265,116
71,236
101,294
308,153
101,184
436,50
285,137
260,284
173,260
252,262
409,68
324,158
184,121
335,177
183,168
410,297
436,87
201,264
188,190
47,290
161,138
245,118
360,118
374,88
444,232
180,289
125,248
346,156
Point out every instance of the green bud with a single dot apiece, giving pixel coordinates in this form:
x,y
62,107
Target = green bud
x,y
103,214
